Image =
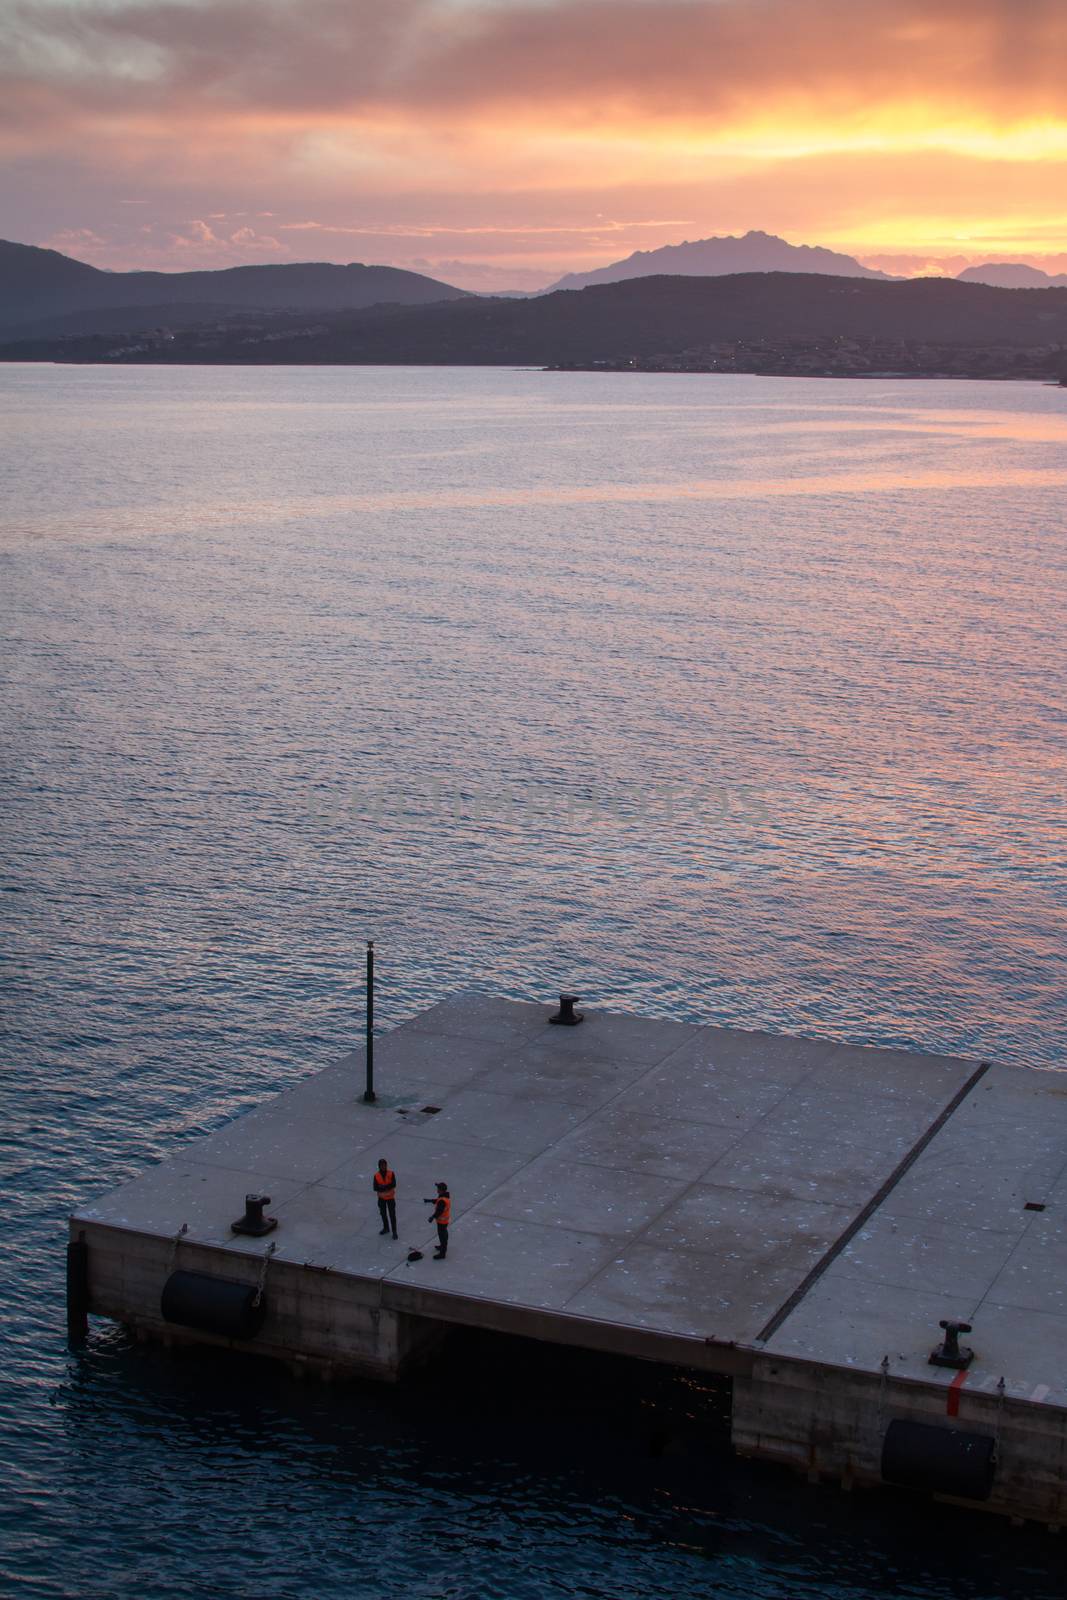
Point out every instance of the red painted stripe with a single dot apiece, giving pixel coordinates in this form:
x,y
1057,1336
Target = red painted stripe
x,y
953,1405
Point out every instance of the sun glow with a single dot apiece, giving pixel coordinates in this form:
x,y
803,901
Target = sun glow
x,y
912,126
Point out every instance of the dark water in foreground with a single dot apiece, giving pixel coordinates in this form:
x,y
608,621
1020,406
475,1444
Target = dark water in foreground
x,y
504,1471
733,700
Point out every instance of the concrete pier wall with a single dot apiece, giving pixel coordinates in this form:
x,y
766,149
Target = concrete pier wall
x,y
783,1211
828,1421
315,1319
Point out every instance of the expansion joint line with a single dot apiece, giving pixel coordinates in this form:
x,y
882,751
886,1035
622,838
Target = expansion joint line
x,y
844,1239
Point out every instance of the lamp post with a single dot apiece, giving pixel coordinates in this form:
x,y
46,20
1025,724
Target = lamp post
x,y
369,1094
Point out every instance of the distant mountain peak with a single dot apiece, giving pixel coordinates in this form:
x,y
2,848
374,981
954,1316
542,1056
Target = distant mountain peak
x,y
754,251
1012,275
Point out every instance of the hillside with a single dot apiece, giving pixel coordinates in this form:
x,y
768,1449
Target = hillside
x,y
765,322
1012,275
38,287
714,258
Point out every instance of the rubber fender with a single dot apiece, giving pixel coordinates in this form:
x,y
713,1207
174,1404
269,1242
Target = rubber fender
x,y
918,1455
77,1288
213,1305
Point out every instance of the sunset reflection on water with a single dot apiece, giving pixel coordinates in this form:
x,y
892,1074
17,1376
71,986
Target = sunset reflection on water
x,y
733,701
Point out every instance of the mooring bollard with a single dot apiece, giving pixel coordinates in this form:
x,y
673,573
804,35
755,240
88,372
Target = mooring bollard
x,y
253,1221
951,1353
566,1016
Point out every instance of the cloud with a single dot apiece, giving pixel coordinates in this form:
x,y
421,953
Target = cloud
x,y
214,246
79,242
709,62
244,238
533,135
199,233
482,230
950,266
199,237
183,245
488,276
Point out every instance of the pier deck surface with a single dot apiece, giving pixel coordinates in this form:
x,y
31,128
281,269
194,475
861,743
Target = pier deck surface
x,y
670,1183
955,1237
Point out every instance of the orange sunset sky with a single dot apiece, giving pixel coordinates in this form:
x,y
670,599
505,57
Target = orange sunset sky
x,y
499,143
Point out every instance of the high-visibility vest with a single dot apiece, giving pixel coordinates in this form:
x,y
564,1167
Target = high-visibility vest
x,y
385,1183
444,1216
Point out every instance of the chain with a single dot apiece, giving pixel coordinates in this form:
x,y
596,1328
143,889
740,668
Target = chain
x,y
178,1237
883,1387
1001,1394
258,1297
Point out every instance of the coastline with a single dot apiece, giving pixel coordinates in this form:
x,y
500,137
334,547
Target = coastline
x,y
613,369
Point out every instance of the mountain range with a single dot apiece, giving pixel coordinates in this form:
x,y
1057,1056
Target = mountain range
x,y
765,252
703,314
43,292
715,258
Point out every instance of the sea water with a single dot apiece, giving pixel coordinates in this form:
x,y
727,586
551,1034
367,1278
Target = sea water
x,y
736,700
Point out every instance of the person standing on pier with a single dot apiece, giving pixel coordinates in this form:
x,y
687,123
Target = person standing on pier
x,y
442,1215
385,1189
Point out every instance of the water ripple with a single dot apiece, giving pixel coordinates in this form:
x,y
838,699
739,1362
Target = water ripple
x,y
734,701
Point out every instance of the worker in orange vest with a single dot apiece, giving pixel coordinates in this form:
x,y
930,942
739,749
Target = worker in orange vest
x,y
385,1189
442,1215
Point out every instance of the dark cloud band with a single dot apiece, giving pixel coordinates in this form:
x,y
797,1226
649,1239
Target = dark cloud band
x,y
701,59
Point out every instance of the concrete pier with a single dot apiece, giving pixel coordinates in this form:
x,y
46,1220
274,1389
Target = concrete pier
x,y
797,1214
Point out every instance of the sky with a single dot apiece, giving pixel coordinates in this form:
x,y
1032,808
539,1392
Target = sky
x,y
499,143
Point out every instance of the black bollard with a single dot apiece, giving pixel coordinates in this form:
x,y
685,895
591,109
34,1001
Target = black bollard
x,y
566,1016
253,1221
951,1353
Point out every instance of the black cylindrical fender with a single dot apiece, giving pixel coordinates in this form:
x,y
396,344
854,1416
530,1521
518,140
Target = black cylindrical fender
x,y
918,1455
213,1305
